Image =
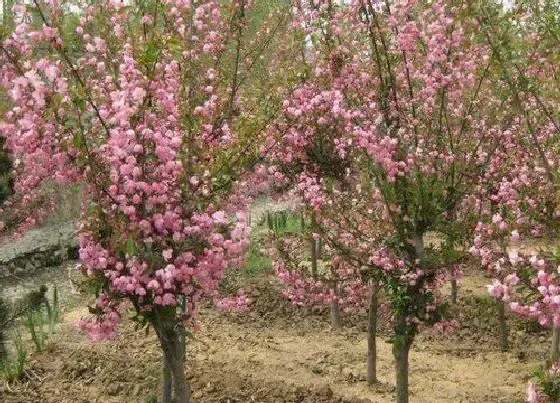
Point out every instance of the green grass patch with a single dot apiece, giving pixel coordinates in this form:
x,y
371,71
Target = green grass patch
x,y
256,261
283,222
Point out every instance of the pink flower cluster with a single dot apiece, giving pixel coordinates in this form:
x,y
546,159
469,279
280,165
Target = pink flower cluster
x,y
127,121
382,153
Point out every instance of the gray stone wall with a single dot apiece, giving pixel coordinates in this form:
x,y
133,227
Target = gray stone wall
x,y
38,249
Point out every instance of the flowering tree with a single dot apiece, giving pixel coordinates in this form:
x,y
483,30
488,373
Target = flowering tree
x,y
392,115
150,111
524,40
340,217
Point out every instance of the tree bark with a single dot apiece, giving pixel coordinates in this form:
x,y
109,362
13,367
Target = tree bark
x,y
401,350
313,247
183,333
372,336
313,257
502,326
336,322
454,291
3,353
419,248
404,339
170,341
167,382
555,347
452,216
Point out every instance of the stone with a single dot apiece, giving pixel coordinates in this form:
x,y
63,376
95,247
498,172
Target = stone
x,y
38,249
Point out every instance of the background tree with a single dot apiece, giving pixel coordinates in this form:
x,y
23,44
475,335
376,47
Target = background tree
x,y
394,108
524,40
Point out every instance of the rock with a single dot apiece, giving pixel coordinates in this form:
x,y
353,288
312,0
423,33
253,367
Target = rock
x,y
39,248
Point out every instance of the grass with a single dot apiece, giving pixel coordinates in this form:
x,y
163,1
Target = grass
x,y
256,261
40,322
283,222
13,369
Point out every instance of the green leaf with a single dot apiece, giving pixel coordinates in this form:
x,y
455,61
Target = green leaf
x,y
150,53
80,102
78,141
131,248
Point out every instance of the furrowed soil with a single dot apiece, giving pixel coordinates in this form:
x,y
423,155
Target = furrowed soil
x,y
273,352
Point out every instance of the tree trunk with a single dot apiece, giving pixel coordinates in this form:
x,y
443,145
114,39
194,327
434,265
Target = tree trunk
x,y
419,248
167,381
554,349
449,245
401,350
454,291
313,246
336,322
3,353
170,341
372,336
313,257
404,338
302,221
182,332
502,326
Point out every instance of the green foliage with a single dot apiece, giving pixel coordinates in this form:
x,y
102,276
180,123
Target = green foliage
x,y
13,369
256,261
151,399
39,318
6,178
35,324
3,319
282,222
549,383
53,312
7,18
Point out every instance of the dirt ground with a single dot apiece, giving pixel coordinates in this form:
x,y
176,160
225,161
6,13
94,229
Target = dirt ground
x,y
276,353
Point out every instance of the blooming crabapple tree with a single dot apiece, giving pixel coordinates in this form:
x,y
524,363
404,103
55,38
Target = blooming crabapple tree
x,y
323,180
526,201
155,121
317,162
397,103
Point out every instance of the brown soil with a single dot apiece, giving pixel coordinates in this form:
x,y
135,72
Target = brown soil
x,y
275,353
